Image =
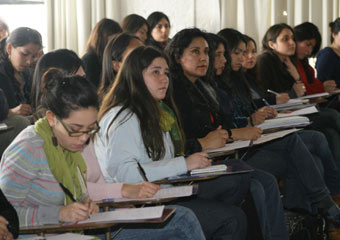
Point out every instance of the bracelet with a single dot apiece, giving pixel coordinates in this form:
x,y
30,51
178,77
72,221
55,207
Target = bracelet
x,y
230,134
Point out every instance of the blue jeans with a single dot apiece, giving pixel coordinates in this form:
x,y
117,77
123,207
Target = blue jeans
x,y
183,225
268,204
290,159
317,144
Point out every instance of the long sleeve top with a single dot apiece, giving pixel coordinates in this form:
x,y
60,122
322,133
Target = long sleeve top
x,y
121,146
3,106
273,74
27,181
8,212
11,88
97,187
328,66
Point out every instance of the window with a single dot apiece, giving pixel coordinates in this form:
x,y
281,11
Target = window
x,y
22,13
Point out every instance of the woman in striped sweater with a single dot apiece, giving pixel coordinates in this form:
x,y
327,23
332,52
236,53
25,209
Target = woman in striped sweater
x,y
42,172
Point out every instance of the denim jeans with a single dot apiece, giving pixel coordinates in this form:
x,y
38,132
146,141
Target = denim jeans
x,y
317,144
216,206
269,207
183,225
290,159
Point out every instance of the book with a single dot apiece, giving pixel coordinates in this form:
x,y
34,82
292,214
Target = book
x,y
210,169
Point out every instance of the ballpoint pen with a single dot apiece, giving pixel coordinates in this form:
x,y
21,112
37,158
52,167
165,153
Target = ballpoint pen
x,y
142,173
273,92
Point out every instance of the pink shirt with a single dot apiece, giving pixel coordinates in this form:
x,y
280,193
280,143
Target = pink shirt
x,y
97,187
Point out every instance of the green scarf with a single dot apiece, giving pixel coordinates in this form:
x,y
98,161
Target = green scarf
x,y
63,163
168,123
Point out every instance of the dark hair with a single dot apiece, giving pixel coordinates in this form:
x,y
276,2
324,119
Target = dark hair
x,y
214,41
62,94
308,31
132,23
23,36
334,27
65,60
4,25
100,34
113,52
130,92
232,37
272,34
178,44
154,18
248,39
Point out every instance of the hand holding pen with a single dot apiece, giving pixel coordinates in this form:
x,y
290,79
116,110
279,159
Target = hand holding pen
x,y
281,98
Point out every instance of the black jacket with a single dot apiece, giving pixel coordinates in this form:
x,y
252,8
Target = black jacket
x,y
11,89
199,112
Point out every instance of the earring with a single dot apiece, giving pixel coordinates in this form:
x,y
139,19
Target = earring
x,y
55,141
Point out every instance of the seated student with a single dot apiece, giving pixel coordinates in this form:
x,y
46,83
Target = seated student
x,y
138,123
9,224
63,59
114,53
47,155
288,157
23,45
17,123
137,26
4,30
328,60
277,72
250,70
159,29
104,30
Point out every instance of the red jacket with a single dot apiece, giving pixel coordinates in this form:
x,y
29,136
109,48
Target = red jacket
x,y
311,88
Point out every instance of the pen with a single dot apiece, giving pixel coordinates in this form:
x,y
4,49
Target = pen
x,y
142,173
273,92
67,192
265,102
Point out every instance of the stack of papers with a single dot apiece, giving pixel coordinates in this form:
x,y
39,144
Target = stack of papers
x,y
126,214
171,192
303,111
284,122
316,95
290,104
210,169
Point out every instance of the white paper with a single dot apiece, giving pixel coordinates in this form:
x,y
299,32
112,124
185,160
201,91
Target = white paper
x,y
126,214
65,236
303,111
242,144
284,122
291,103
3,126
316,95
171,192
210,169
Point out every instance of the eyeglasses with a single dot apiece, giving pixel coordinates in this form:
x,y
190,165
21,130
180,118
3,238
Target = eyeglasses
x,y
80,133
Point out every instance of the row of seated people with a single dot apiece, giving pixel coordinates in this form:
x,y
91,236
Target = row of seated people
x,y
164,111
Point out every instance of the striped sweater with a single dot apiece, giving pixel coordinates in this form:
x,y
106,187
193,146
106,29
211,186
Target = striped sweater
x,y
28,183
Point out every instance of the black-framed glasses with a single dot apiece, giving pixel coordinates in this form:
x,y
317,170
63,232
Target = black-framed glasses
x,y
80,133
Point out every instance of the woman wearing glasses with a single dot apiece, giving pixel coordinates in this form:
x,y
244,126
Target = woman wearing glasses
x,y
43,174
